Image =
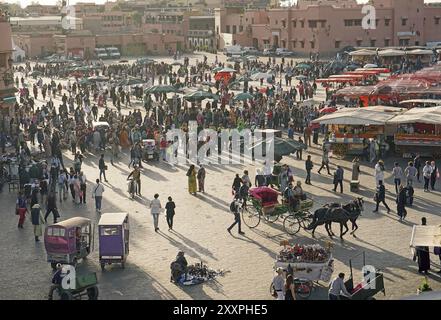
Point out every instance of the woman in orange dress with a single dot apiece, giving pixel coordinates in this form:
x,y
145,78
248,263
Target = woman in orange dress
x,y
124,138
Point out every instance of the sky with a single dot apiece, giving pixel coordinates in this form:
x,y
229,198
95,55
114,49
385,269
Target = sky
x,y
24,3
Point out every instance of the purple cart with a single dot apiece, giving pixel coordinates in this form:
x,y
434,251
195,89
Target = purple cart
x,y
113,231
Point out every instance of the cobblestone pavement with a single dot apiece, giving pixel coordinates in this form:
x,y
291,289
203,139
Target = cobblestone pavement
x,y
200,231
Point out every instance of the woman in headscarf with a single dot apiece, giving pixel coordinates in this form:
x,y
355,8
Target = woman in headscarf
x,y
191,174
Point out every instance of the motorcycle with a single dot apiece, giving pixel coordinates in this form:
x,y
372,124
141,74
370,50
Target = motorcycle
x,y
131,187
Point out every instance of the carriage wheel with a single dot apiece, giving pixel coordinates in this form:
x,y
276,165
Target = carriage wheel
x,y
271,218
251,217
92,293
291,225
307,219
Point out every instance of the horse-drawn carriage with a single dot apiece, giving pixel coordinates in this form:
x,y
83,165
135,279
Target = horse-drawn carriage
x,y
265,205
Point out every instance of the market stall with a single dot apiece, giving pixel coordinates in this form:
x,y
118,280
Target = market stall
x,y
418,131
312,262
351,128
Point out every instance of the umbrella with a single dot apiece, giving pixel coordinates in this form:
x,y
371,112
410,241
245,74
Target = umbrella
x,y
130,82
328,110
224,76
243,96
98,79
370,65
282,147
234,83
303,66
260,75
84,81
244,78
301,77
227,70
145,61
217,69
200,95
162,89
123,61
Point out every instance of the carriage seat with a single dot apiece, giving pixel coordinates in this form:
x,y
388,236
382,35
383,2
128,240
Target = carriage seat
x,y
267,196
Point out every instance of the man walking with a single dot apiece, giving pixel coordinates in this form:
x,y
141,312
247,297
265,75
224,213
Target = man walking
x,y
170,212
325,162
397,172
155,210
299,151
235,209
338,178
410,173
427,173
417,165
102,166
308,166
83,180
380,196
98,190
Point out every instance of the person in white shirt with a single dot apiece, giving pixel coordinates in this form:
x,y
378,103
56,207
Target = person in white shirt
x,y
83,180
155,210
379,172
427,173
97,193
279,284
397,172
337,287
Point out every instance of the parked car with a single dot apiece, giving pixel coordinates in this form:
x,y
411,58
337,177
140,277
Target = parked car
x,y
282,52
250,50
269,52
233,50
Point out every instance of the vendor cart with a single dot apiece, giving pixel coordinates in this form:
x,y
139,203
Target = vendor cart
x,y
369,287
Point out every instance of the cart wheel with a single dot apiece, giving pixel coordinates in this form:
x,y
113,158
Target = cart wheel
x,y
370,298
271,218
250,216
103,266
291,225
66,295
92,293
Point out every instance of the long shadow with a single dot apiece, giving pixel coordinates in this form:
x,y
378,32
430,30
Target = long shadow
x,y
182,247
213,204
194,245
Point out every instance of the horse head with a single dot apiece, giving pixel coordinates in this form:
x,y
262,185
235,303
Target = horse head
x,y
359,202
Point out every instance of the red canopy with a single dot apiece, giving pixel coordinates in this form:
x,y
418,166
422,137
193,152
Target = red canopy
x,y
327,110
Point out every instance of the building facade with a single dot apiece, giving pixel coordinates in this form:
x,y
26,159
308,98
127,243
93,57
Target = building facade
x,y
7,90
328,26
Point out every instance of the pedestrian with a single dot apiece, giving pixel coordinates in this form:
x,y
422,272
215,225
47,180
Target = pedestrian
x,y
62,181
355,169
191,174
290,292
417,165
308,166
155,210
237,182
279,284
170,212
201,179
422,254
401,203
83,184
379,172
397,173
77,189
102,166
37,221
246,179
427,173
337,287
325,162
434,175
299,151
338,178
410,172
380,196
283,178
21,209
235,208
259,180
51,207
97,193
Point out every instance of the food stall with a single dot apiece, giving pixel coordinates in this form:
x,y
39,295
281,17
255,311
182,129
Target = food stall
x,y
312,262
363,55
351,128
418,131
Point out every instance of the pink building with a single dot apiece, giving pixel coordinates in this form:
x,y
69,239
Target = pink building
x,y
7,90
327,26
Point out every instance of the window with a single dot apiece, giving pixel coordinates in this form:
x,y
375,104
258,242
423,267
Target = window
x,y
302,44
312,23
56,232
437,20
417,43
386,42
294,24
387,22
373,43
240,28
109,231
277,21
359,43
323,23
403,21
294,44
312,44
357,22
337,44
302,24
252,20
283,23
348,23
234,30
227,28
404,42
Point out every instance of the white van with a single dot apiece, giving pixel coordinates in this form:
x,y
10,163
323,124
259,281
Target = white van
x,y
230,50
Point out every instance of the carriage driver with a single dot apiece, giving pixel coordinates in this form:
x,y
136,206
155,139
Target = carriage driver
x,y
290,197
